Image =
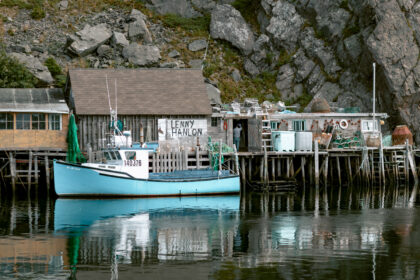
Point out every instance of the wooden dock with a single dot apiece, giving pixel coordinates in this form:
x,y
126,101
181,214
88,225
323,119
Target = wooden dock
x,y
264,170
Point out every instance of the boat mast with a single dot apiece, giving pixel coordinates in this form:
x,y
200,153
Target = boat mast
x,y
374,82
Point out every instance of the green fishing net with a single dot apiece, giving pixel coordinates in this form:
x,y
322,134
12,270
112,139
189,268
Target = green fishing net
x,y
73,151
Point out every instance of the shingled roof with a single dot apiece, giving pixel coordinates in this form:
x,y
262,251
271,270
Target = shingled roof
x,y
140,91
45,100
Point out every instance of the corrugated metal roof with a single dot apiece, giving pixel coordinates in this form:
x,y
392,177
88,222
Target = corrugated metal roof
x,y
46,100
140,91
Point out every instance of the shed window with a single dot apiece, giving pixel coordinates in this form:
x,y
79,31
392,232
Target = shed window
x,y
38,121
54,122
299,125
215,122
369,125
23,121
6,121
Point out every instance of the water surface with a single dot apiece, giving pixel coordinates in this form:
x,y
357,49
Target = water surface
x,y
333,233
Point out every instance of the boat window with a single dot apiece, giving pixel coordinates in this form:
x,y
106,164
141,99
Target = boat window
x,y
130,155
107,156
117,154
112,155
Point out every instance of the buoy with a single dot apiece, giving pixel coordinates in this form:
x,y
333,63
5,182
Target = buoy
x,y
344,124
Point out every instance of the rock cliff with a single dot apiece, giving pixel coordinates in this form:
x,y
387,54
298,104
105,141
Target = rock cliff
x,y
293,50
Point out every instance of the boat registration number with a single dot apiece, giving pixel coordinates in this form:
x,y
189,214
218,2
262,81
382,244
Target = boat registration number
x,y
132,162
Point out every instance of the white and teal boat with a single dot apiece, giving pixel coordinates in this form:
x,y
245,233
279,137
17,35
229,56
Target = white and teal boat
x,y
131,177
125,172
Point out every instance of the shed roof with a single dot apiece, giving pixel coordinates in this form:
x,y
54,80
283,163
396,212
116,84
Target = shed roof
x,y
140,91
46,100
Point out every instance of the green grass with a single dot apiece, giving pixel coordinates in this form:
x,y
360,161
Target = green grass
x,y
37,6
284,58
199,24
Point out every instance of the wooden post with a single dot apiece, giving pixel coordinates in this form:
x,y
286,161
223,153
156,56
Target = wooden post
x,y
29,173
273,169
349,170
338,170
279,167
316,164
413,167
237,163
287,167
302,166
197,158
262,169
90,153
381,156
185,160
36,171
47,174
265,164
243,169
326,171
250,168
13,172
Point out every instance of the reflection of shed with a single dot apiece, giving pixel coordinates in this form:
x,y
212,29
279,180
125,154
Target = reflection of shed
x,y
144,96
33,119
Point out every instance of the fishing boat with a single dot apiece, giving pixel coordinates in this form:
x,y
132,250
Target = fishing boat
x,y
128,175
124,171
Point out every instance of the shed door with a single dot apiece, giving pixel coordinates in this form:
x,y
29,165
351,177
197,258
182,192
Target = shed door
x,y
254,135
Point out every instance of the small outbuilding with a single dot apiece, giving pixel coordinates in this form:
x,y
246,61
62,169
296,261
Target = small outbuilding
x,y
169,105
33,119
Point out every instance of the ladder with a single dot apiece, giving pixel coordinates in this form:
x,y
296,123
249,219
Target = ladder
x,y
266,133
400,166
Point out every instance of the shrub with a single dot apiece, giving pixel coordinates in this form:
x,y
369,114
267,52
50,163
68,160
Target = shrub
x,y
53,66
38,12
191,24
249,10
13,74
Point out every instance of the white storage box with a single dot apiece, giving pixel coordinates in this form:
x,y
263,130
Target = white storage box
x,y
283,141
303,141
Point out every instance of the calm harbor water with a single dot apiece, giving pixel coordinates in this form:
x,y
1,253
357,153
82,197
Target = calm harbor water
x,y
333,233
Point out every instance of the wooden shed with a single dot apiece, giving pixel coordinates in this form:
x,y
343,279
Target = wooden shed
x,y
33,119
166,103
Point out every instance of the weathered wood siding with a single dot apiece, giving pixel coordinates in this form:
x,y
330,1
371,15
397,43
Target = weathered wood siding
x,y
94,130
35,139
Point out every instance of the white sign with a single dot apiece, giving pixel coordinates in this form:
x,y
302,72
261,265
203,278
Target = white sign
x,y
177,128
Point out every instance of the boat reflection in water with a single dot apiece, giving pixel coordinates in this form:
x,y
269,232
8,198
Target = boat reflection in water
x,y
325,233
103,230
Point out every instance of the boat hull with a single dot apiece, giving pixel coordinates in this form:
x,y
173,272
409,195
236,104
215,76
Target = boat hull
x,y
77,180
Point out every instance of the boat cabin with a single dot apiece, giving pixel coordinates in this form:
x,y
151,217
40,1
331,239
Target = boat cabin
x,y
33,119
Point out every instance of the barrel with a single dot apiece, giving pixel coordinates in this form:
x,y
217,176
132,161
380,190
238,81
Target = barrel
x,y
401,134
373,140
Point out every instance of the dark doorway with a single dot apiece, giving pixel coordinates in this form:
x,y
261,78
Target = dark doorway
x,y
243,144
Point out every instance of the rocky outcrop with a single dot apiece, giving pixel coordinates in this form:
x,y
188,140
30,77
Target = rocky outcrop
x,y
140,55
181,8
197,45
34,66
285,25
89,39
228,24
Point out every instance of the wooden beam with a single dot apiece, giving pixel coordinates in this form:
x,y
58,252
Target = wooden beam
x,y
316,164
